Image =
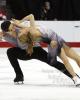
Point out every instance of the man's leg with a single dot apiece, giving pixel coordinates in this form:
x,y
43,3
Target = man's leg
x,y
16,53
61,67
13,55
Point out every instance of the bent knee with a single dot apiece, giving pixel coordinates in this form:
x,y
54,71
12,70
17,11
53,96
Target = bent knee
x,y
10,51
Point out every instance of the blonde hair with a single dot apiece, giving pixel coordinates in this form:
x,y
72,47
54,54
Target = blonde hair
x,y
27,38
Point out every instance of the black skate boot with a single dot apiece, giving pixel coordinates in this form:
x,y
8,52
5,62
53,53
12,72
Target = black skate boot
x,y
19,79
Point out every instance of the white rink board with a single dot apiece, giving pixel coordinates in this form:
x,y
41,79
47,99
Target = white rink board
x,y
69,30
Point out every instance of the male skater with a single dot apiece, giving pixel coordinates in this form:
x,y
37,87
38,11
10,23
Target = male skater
x,y
19,51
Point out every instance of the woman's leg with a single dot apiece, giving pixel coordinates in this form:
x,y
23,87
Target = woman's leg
x,y
66,62
72,54
68,66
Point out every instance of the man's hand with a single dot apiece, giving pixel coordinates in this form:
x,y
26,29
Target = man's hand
x,y
53,44
1,35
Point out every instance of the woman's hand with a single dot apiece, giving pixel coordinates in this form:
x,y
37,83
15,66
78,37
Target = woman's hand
x,y
15,21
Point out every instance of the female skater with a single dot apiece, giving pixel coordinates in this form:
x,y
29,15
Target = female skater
x,y
57,46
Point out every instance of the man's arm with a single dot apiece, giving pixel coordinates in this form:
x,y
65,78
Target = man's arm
x,y
4,34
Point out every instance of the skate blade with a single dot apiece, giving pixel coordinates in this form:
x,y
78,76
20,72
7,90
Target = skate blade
x,y
18,83
78,85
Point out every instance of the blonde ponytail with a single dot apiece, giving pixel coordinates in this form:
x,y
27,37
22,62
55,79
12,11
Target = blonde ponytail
x,y
27,38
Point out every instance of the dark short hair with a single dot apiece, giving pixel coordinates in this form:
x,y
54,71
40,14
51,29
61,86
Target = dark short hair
x,y
5,25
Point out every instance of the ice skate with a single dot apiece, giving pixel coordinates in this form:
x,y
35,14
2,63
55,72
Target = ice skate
x,y
76,80
19,79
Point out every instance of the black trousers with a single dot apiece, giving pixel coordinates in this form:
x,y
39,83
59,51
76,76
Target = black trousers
x,y
16,53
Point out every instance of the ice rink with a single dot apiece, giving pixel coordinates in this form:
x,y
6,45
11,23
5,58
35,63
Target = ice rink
x,y
41,82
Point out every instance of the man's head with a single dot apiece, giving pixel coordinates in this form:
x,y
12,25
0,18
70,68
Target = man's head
x,y
5,26
46,5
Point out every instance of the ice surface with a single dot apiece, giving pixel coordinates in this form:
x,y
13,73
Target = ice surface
x,y
42,82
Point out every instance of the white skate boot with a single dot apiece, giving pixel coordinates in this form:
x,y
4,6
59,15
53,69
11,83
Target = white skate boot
x,y
76,80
